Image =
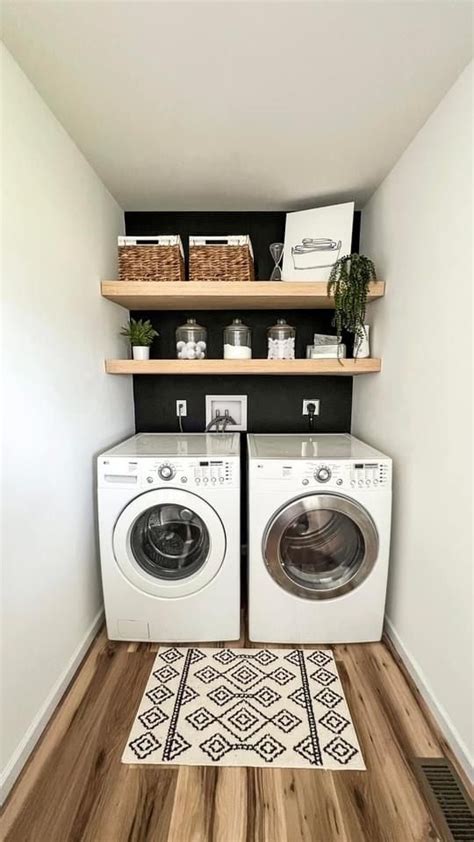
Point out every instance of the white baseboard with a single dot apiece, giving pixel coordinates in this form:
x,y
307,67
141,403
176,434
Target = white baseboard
x,y
446,727
37,726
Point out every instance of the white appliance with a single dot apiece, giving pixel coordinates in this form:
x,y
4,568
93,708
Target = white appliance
x,y
169,525
319,536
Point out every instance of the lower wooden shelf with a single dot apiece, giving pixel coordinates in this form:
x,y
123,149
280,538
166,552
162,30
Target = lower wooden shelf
x,y
271,367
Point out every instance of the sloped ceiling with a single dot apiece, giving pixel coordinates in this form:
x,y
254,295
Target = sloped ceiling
x,y
250,105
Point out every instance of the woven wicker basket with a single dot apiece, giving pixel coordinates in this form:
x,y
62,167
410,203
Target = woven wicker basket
x,y
221,259
151,258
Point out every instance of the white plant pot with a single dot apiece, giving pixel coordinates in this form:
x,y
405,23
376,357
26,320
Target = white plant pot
x,y
141,352
362,346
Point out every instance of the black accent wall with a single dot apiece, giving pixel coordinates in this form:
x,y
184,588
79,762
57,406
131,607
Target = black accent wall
x,y
274,403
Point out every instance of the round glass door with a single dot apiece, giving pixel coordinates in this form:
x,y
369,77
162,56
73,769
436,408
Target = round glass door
x,y
320,546
170,541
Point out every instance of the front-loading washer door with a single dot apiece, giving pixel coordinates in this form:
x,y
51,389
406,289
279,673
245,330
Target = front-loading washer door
x,y
169,542
320,546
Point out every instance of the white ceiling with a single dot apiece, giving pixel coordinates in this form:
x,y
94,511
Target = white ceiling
x,y
240,105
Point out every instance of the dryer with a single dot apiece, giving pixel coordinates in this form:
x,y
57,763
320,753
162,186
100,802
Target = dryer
x,y
169,528
319,538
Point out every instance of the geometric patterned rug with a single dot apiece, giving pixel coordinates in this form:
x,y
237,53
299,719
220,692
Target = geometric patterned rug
x,y
244,707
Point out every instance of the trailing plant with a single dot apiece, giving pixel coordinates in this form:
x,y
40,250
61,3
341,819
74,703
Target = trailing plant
x,y
349,285
139,332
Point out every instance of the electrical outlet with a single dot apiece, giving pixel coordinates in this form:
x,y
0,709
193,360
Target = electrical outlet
x,y
181,408
306,401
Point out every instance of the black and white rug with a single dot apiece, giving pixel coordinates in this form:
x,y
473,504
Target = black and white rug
x,y
244,707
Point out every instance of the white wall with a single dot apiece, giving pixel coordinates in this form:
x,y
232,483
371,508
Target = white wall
x,y
418,229
59,239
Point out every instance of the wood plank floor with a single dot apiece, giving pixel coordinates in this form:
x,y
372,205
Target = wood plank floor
x,y
75,789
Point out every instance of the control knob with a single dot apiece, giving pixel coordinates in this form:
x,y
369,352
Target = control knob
x,y
323,474
166,472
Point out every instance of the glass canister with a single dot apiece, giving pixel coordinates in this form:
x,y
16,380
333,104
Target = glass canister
x,y
281,341
237,341
191,341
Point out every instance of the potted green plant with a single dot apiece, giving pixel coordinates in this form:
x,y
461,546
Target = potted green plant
x,y
140,334
349,285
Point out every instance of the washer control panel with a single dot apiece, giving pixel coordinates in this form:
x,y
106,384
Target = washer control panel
x,y
156,473
213,472
197,473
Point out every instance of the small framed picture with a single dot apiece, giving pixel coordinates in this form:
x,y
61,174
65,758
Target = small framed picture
x,y
314,240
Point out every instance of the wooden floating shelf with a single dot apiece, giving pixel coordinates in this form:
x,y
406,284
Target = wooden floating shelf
x,y
250,295
328,367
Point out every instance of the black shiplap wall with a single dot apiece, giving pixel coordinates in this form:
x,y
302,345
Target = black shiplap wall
x,y
274,403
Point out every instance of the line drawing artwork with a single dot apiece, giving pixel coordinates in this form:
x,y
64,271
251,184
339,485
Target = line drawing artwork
x,y
314,240
315,253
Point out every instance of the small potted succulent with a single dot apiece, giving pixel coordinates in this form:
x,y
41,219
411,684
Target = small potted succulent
x,y
349,286
140,334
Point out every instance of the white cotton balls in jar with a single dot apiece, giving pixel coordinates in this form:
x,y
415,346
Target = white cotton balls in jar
x,y
191,341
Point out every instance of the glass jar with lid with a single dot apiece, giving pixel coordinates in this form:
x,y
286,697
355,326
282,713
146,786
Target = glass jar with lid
x,y
191,341
237,341
281,341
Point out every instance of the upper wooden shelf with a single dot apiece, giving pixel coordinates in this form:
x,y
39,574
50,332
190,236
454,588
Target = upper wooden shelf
x,y
256,295
342,367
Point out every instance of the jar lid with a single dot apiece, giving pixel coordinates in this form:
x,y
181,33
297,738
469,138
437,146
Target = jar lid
x,y
281,324
237,326
192,323
281,330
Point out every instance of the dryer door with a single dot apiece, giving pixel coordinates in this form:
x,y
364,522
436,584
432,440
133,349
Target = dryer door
x,y
320,546
169,542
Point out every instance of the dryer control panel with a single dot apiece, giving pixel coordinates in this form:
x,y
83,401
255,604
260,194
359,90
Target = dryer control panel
x,y
369,474
353,474
337,474
157,473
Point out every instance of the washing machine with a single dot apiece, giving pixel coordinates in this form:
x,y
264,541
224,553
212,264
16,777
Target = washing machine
x,y
169,528
319,538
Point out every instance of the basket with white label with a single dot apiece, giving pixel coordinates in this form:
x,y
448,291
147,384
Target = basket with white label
x,y
159,258
221,258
